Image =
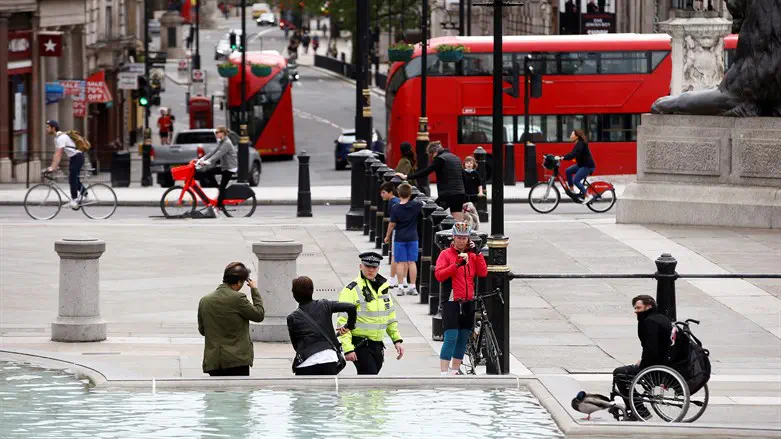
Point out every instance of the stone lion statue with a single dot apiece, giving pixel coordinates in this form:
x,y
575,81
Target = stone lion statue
x,y
752,85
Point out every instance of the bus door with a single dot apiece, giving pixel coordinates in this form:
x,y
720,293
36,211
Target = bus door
x,y
201,113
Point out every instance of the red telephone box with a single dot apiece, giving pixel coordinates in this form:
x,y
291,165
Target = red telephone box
x,y
201,113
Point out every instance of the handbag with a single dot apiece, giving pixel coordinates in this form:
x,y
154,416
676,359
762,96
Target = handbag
x,y
341,363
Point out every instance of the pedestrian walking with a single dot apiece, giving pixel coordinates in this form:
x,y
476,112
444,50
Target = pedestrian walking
x,y
450,180
389,194
164,126
171,116
318,351
376,318
64,142
458,264
315,43
229,163
305,40
223,320
404,222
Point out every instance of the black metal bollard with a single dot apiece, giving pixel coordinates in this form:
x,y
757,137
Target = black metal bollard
x,y
482,286
433,215
380,216
509,164
367,196
387,177
434,286
443,238
396,180
304,192
374,188
420,197
665,285
354,217
482,201
529,165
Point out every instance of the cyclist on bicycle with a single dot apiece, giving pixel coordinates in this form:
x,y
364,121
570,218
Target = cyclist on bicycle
x,y
229,165
62,141
654,330
458,265
584,163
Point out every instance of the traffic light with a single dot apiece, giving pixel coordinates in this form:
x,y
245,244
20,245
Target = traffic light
x,y
241,42
514,79
232,40
142,92
535,89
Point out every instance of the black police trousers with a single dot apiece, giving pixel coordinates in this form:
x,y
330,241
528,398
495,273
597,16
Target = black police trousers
x,y
370,354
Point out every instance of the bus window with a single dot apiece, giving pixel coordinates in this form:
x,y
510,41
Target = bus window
x,y
729,58
578,63
619,127
545,63
542,129
657,57
570,123
261,106
479,129
623,62
478,64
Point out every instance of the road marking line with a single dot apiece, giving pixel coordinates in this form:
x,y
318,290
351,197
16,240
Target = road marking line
x,y
310,116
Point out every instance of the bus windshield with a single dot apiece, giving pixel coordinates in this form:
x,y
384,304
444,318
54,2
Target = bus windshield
x,y
261,105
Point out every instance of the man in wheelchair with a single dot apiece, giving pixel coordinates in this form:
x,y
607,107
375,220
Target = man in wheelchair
x,y
654,330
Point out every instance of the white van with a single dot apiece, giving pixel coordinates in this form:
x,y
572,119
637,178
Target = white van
x,y
260,8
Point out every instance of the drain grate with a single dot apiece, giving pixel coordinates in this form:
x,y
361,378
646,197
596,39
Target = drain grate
x,y
289,227
326,290
308,254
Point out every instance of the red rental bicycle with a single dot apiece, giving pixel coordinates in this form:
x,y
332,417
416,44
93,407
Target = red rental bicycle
x,y
181,202
544,196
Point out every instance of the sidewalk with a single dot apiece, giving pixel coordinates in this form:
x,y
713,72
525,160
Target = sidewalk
x,y
568,333
13,194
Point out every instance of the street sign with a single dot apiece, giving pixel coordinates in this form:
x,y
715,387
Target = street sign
x,y
199,75
137,68
127,81
182,64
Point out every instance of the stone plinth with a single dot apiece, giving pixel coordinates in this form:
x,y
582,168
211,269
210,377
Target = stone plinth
x,y
171,26
705,170
276,271
79,311
697,52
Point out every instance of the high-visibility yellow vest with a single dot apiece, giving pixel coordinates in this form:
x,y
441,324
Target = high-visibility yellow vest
x,y
376,312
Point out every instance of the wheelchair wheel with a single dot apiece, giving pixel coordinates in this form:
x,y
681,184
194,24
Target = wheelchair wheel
x,y
663,388
697,404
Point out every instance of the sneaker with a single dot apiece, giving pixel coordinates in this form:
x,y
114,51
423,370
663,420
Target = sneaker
x,y
74,204
412,291
399,290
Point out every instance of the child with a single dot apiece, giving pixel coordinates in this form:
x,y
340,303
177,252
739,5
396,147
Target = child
x,y
388,193
470,216
473,186
404,222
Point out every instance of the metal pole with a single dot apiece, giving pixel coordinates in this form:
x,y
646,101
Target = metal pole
x,y
526,98
665,285
146,174
461,21
244,140
363,135
468,17
421,143
197,56
498,271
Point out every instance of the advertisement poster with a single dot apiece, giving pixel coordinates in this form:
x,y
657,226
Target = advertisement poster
x,y
587,17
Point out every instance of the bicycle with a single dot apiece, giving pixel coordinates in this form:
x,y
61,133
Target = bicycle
x,y
181,201
482,345
544,196
45,200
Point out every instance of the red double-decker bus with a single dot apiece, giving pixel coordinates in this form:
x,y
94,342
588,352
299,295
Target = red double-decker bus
x,y
269,104
599,83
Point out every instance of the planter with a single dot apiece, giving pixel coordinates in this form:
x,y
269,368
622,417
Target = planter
x,y
228,71
400,55
261,70
451,56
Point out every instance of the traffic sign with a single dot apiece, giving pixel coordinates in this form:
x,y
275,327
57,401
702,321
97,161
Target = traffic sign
x,y
199,75
137,68
127,81
182,64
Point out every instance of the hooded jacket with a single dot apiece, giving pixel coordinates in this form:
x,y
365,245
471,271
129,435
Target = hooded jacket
x,y
654,330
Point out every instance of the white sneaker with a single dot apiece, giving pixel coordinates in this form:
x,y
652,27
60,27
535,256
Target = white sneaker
x,y
399,290
74,204
412,291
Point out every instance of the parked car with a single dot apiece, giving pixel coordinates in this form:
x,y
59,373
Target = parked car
x,y
259,9
266,19
344,146
193,144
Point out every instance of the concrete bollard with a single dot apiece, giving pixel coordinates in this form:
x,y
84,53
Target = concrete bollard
x,y
354,217
434,285
276,271
304,191
376,209
79,317
367,198
434,215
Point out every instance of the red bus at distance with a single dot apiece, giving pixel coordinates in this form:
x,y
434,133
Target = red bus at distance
x,y
598,83
730,45
269,104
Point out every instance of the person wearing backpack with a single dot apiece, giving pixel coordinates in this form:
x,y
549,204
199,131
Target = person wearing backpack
x,y
65,142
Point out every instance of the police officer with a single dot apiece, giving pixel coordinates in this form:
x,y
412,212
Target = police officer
x,y
376,317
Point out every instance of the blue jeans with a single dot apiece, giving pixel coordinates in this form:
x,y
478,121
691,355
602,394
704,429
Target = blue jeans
x,y
74,170
579,173
455,344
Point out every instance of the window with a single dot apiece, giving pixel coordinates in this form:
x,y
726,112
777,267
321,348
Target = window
x,y
544,63
541,128
261,106
570,123
172,37
623,62
729,58
657,57
578,63
188,137
478,64
479,129
109,23
619,127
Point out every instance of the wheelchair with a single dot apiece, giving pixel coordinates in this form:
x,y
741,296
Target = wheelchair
x,y
662,388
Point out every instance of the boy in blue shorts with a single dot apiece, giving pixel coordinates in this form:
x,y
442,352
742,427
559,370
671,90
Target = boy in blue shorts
x,y
404,221
388,193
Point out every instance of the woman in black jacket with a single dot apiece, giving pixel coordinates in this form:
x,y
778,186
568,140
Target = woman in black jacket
x,y
450,181
315,355
584,162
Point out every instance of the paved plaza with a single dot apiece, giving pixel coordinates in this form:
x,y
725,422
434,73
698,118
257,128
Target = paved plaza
x,y
569,333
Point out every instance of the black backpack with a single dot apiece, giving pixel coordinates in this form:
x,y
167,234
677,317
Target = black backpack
x,y
689,358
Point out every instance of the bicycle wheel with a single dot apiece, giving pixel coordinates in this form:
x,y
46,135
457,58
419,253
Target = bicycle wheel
x,y
699,402
42,202
492,348
666,391
99,201
473,353
245,208
602,201
172,207
544,199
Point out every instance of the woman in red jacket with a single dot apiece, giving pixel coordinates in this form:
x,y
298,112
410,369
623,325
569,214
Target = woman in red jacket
x,y
458,265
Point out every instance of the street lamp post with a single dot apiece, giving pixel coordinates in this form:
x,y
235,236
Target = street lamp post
x,y
468,17
146,149
363,109
197,56
421,144
244,139
461,24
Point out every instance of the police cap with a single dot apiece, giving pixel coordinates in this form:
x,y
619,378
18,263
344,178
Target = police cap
x,y
370,259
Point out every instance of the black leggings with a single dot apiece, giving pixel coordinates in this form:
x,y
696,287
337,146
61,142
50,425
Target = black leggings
x,y
226,179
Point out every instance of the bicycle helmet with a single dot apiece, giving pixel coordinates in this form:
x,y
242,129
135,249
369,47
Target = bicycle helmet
x,y
461,229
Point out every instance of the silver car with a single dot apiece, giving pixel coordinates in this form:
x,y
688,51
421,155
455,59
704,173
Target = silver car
x,y
193,144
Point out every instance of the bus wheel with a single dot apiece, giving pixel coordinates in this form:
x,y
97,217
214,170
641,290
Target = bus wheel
x,y
254,174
